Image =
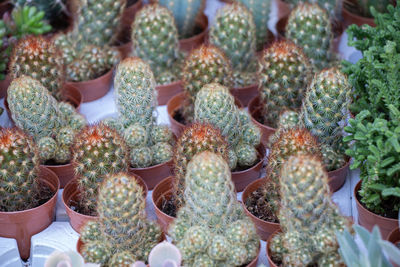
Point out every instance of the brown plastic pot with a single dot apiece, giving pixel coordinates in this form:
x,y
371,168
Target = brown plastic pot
x,y
128,16
163,190
64,172
368,219
175,104
243,178
394,236
22,225
4,84
337,178
154,174
350,18
283,9
167,91
71,192
195,41
268,248
264,228
96,88
245,94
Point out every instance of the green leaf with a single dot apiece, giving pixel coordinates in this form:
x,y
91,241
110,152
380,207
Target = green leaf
x,y
394,191
378,187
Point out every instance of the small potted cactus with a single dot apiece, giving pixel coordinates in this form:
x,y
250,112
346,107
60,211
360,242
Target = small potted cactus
x,y
308,235
223,234
333,7
359,11
52,124
28,192
122,234
150,145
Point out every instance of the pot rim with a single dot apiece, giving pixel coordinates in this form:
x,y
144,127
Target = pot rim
x,y
154,201
261,157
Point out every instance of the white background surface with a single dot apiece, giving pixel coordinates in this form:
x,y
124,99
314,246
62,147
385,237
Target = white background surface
x,y
62,237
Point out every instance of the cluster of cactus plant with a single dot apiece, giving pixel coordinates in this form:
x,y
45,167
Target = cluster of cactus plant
x,y
309,27
155,40
122,234
234,33
223,235
309,220
136,99
284,73
19,161
39,58
53,125
331,6
97,151
215,105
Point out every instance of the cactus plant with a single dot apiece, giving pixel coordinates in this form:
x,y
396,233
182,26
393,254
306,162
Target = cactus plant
x,y
223,235
331,6
309,27
39,58
125,233
19,161
155,40
309,220
185,13
97,152
234,33
204,65
284,73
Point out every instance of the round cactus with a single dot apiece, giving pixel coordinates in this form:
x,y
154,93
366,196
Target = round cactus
x,y
135,136
141,157
161,133
161,152
47,147
246,155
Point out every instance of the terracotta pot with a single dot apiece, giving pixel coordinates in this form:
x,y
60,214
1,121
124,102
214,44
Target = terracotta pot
x,y
22,225
154,174
128,16
4,85
96,88
350,18
163,190
125,50
284,9
242,178
245,94
174,104
270,261
64,172
167,91
394,236
264,228
71,192
368,219
255,114
190,43
337,178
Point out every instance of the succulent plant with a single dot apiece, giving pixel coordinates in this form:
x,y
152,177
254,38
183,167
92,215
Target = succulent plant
x,y
51,8
155,40
125,234
234,33
331,6
284,73
309,27
309,220
204,65
165,254
67,259
98,151
225,235
19,161
39,58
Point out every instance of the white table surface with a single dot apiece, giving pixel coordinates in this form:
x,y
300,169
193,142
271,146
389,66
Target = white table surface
x,y
59,235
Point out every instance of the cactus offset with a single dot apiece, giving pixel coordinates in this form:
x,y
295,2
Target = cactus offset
x,y
223,235
97,152
206,64
123,229
19,162
284,73
309,220
287,119
309,27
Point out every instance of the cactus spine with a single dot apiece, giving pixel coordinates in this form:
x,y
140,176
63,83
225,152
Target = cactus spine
x,y
309,27
284,73
222,236
123,234
97,152
309,220
19,162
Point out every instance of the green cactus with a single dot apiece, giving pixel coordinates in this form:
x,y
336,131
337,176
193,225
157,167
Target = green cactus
x,y
140,157
97,152
19,180
234,33
185,13
287,119
161,133
161,152
331,6
155,40
309,27
47,147
223,235
284,73
135,135
310,220
123,232
246,155
204,65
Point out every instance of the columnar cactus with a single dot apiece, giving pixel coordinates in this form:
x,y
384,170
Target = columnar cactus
x,y
284,73
222,235
309,27
123,233
204,65
98,151
309,220
19,162
155,40
185,13
234,33
39,58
